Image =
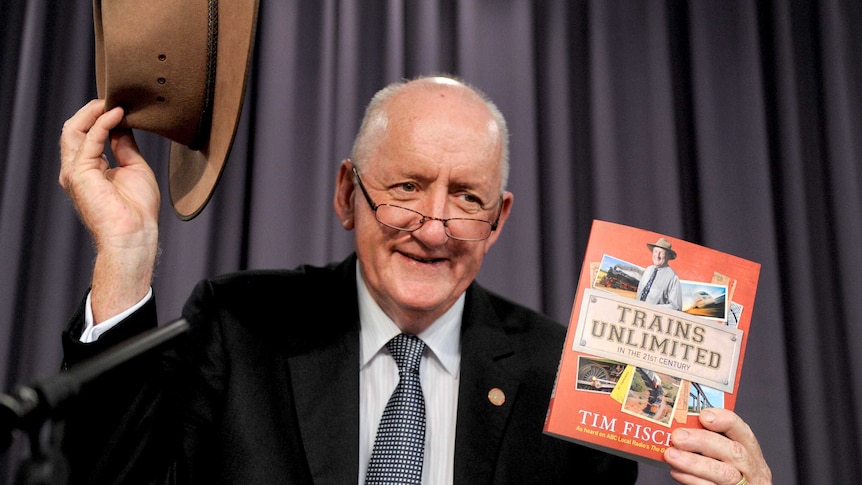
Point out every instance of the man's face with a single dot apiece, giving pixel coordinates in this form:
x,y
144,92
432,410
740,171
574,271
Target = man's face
x,y
659,256
438,158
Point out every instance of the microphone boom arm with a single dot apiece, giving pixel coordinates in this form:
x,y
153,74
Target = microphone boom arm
x,y
28,407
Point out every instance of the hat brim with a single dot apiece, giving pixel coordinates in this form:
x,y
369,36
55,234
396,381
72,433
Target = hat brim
x,y
193,174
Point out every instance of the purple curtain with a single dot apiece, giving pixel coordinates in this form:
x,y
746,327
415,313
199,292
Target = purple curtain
x,y
734,124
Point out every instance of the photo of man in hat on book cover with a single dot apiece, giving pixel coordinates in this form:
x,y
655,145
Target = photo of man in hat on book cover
x,y
659,284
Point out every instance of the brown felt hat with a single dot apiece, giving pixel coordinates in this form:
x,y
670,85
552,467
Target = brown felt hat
x,y
179,69
664,244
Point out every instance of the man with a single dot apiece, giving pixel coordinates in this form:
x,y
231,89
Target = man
x,y
271,387
659,283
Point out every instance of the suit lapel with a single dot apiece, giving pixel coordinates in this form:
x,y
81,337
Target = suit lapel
x,y
488,363
325,380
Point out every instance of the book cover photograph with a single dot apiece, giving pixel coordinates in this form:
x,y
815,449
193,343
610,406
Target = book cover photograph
x,y
657,333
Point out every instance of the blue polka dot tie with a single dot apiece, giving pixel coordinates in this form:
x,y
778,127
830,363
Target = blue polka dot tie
x,y
400,444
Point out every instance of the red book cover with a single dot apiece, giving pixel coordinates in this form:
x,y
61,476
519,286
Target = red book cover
x,y
657,333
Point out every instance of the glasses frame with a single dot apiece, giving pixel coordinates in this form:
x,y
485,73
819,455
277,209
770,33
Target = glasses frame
x,y
423,218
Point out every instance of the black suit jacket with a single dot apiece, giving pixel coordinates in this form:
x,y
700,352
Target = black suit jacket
x,y
265,389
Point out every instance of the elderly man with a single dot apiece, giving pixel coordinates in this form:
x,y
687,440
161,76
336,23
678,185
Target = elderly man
x,y
286,376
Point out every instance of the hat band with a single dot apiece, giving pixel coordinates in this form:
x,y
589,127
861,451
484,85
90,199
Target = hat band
x,y
201,136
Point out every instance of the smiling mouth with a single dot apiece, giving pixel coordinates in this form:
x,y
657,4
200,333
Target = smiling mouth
x,y
422,260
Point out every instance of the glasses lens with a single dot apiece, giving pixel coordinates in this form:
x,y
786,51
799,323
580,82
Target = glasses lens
x,y
468,229
398,217
405,219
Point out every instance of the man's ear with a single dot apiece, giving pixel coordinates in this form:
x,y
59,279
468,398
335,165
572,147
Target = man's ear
x,y
505,210
344,191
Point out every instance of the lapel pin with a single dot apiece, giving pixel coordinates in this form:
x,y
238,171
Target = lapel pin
x,y
496,396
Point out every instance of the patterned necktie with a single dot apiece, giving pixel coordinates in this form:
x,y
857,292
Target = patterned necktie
x,y
648,285
400,443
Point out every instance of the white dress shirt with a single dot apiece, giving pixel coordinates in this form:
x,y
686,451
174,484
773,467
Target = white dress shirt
x,y
439,374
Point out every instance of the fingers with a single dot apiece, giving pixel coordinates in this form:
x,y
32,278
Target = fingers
x,y
75,130
723,452
84,118
701,456
93,145
731,425
125,147
82,140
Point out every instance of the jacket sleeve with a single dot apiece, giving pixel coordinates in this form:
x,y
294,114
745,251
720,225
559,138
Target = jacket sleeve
x,y
109,425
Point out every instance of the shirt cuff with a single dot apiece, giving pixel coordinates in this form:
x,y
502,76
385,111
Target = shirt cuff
x,y
92,332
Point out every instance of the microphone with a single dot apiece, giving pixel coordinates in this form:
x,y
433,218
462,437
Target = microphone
x,y
27,407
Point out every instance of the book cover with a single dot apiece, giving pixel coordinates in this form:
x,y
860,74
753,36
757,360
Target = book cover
x,y
657,333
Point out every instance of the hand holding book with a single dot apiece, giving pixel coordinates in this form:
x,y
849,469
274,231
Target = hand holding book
x,y
727,439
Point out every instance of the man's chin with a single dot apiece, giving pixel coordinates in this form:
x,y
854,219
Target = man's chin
x,y
425,303
422,299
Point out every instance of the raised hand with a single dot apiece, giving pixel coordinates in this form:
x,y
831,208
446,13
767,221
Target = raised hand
x,y
119,205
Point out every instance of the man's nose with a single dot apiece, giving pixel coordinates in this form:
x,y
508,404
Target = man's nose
x,y
432,233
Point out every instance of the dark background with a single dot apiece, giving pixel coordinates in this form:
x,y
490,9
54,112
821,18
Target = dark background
x,y
733,124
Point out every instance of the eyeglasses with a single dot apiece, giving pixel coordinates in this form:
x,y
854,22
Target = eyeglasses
x,y
408,220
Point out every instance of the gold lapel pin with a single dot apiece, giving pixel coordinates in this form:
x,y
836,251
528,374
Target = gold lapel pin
x,y
496,396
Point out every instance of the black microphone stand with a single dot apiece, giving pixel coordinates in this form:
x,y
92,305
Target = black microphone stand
x,y
27,408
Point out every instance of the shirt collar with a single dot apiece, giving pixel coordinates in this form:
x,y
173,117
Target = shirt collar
x,y
442,338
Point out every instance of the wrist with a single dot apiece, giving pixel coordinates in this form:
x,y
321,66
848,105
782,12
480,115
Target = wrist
x,y
120,280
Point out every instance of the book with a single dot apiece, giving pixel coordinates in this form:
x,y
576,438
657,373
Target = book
x,y
632,370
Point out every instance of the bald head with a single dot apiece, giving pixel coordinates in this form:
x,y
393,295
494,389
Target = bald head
x,y
414,102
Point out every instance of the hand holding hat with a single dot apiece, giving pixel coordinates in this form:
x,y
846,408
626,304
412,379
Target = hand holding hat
x,y
178,69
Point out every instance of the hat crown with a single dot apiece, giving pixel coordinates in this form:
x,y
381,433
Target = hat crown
x,y
663,243
178,69
157,61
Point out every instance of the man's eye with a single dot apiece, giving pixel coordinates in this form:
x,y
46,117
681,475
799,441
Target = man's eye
x,y
408,187
472,199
